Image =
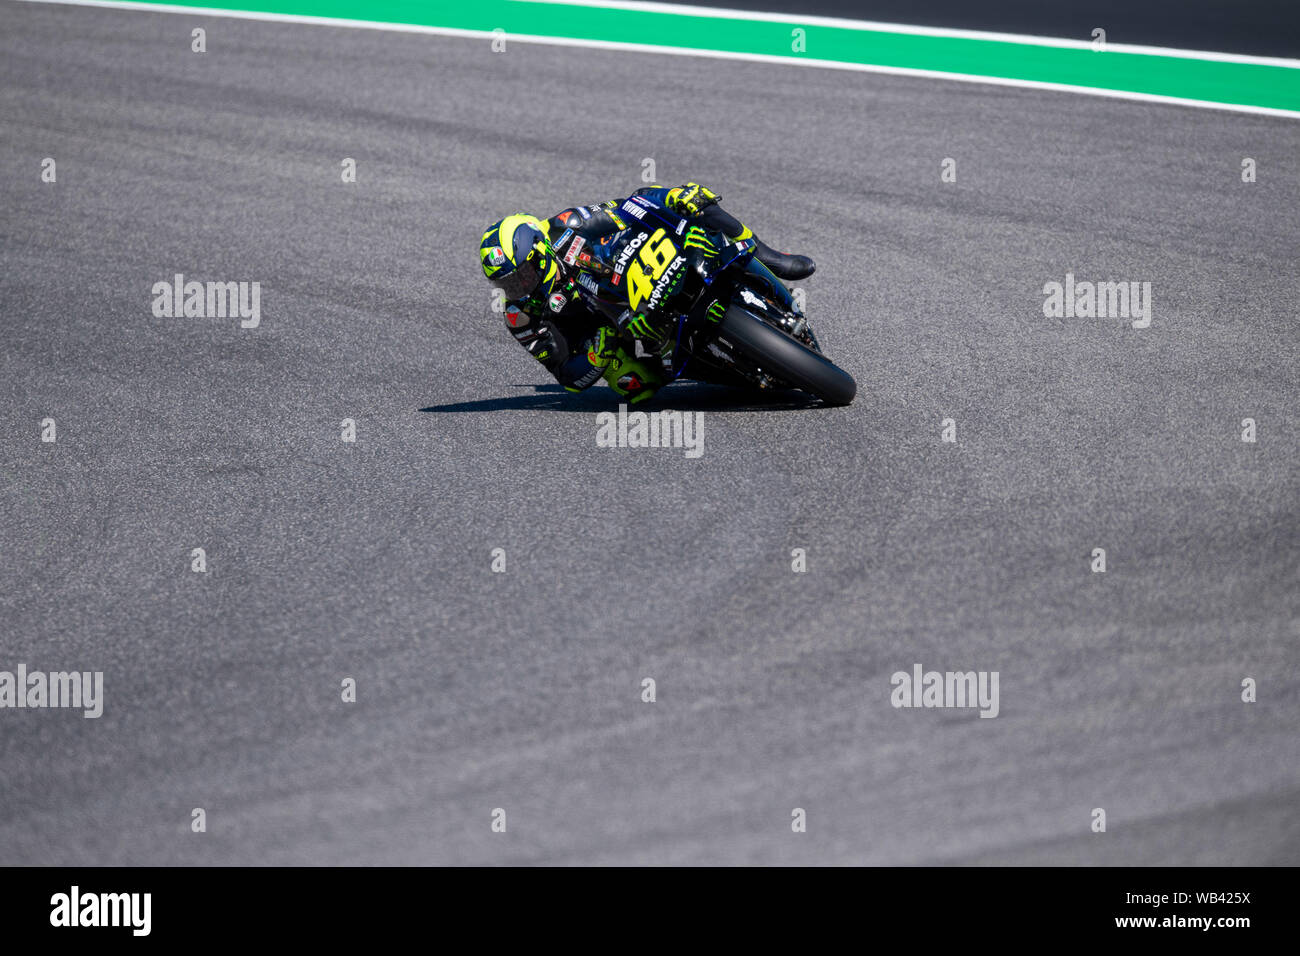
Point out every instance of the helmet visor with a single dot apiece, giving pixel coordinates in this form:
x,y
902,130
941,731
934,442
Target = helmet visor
x,y
521,282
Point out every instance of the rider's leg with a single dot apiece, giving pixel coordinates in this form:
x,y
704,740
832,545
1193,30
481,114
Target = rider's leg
x,y
632,378
786,266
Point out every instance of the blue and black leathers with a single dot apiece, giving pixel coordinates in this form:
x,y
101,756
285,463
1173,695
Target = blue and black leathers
x,y
564,330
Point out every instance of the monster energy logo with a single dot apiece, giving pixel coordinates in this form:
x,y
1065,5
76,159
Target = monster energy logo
x,y
665,284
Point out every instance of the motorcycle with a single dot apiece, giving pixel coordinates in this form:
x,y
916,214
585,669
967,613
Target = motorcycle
x,y
732,321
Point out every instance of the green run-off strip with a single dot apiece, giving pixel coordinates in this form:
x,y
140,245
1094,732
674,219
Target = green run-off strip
x,y
1247,84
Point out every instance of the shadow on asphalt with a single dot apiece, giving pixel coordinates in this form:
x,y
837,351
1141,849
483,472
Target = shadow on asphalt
x,y
681,396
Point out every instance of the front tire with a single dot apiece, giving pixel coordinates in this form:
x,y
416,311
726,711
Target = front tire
x,y
793,363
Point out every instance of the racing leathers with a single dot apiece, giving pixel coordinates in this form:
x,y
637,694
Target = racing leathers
x,y
576,335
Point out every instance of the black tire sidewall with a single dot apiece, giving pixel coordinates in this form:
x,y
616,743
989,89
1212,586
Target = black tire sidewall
x,y
793,363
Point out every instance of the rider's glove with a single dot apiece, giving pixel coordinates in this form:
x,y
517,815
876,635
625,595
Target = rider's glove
x,y
602,347
697,238
692,199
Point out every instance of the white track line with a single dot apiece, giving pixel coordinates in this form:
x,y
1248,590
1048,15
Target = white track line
x,y
907,29
680,51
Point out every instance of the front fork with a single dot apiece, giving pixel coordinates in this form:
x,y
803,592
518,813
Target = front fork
x,y
780,294
793,322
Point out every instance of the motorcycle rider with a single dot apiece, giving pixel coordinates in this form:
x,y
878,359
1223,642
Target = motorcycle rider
x,y
535,263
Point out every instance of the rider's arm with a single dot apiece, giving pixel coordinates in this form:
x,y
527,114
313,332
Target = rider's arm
x,y
700,205
590,222
545,342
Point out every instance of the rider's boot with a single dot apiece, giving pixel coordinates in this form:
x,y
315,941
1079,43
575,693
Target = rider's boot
x,y
632,378
784,265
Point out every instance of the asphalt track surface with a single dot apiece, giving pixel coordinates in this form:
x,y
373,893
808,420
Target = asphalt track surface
x,y
522,690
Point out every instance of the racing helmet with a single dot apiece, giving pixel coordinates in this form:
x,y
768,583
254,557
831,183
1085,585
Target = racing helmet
x,y
518,258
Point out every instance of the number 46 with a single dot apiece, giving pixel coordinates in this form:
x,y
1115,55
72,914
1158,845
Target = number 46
x,y
656,255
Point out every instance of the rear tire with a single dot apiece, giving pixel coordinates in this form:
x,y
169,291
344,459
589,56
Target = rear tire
x,y
793,363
